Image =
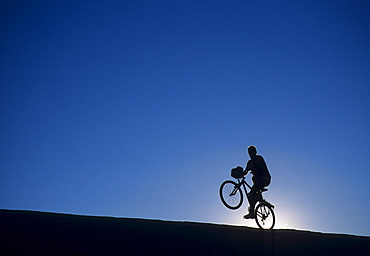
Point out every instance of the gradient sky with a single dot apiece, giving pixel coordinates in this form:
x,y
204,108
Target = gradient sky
x,y
141,108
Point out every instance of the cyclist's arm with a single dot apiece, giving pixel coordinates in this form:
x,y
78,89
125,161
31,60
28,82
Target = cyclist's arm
x,y
248,167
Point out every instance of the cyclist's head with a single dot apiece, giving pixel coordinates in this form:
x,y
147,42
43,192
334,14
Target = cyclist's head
x,y
252,151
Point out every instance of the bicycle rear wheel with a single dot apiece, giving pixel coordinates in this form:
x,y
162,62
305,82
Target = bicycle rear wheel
x,y
265,216
231,195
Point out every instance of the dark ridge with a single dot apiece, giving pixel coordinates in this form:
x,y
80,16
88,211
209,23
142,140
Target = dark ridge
x,y
41,233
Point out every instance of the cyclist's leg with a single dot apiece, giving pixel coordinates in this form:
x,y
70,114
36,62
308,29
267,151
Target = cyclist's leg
x,y
253,195
258,184
266,181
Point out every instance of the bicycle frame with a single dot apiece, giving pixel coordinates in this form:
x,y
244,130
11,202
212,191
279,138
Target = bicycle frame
x,y
242,182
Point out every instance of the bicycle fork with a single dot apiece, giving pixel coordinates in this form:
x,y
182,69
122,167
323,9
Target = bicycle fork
x,y
236,188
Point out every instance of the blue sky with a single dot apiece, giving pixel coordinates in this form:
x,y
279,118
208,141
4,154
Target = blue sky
x,y
141,108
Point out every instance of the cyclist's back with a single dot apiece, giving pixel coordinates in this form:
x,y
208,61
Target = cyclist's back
x,y
258,166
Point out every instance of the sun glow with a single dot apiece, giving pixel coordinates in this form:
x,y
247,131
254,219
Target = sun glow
x,y
285,219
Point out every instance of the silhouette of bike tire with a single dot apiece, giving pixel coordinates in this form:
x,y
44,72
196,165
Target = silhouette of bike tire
x,y
234,201
264,216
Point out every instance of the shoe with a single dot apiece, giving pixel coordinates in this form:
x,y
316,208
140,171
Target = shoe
x,y
249,216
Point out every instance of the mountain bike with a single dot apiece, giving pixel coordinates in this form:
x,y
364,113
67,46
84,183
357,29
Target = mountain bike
x,y
232,197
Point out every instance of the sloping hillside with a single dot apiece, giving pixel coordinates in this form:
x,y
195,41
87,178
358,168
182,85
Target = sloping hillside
x,y
40,233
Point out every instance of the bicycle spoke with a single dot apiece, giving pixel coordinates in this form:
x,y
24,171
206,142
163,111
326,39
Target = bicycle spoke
x,y
265,217
231,195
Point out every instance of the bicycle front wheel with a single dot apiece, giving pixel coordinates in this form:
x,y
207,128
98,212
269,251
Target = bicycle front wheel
x,y
265,216
231,195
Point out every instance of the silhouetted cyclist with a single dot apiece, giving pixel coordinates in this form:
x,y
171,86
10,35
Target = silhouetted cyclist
x,y
261,178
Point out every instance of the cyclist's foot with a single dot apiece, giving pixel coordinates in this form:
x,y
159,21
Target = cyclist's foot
x,y
249,216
